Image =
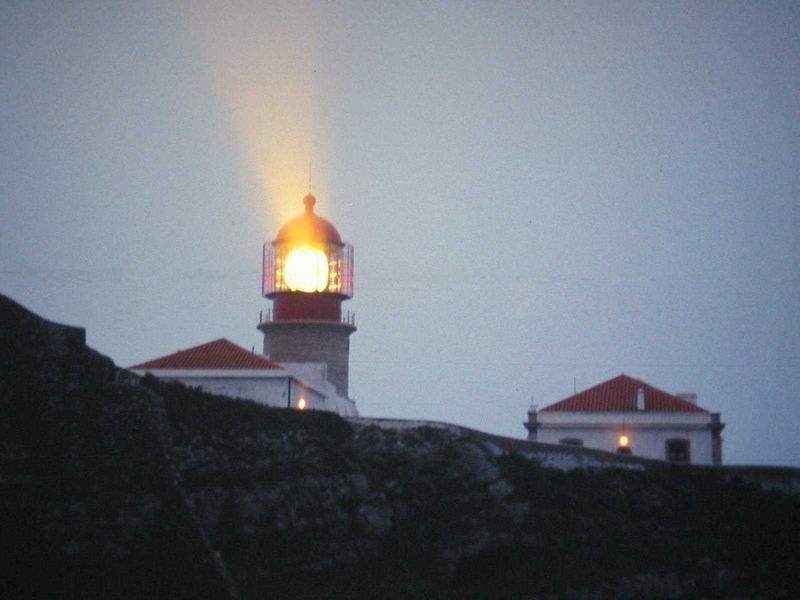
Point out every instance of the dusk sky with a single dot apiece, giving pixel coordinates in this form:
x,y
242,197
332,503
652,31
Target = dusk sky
x,y
540,194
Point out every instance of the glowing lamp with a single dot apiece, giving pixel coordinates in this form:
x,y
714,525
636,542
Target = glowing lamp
x,y
301,404
306,270
624,441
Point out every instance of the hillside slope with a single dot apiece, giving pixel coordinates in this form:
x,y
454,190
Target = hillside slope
x,y
118,487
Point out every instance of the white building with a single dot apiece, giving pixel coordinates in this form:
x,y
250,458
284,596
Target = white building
x,y
630,416
222,367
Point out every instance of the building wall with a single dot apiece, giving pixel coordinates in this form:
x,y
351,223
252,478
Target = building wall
x,y
345,406
648,432
315,375
265,386
272,392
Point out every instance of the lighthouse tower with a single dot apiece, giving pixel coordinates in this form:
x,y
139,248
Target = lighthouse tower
x,y
308,273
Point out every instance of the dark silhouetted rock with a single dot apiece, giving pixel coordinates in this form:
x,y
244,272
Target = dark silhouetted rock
x,y
90,505
117,487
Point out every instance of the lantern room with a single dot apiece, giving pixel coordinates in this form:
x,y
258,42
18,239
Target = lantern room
x,y
308,270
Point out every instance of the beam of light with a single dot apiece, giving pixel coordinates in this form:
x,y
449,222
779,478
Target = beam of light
x,y
261,59
306,270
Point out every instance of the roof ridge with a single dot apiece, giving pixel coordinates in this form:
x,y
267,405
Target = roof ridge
x,y
616,395
220,353
589,389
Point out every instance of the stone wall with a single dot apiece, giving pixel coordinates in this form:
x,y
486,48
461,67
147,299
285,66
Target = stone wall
x,y
311,341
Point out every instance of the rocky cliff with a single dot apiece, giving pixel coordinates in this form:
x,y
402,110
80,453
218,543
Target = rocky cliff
x,y
116,487
90,500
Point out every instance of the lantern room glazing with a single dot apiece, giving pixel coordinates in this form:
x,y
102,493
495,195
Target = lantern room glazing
x,y
302,267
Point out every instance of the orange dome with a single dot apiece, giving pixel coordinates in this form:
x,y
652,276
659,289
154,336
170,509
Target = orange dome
x,y
309,227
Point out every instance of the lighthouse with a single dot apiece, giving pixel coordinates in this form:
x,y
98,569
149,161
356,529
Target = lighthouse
x,y
307,274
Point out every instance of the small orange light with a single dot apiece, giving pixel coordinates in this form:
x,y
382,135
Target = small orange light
x,y
301,404
624,441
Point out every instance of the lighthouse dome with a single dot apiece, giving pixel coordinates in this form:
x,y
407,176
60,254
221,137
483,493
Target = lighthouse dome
x,y
309,227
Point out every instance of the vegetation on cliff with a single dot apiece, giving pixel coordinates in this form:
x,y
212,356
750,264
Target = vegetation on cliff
x,y
309,505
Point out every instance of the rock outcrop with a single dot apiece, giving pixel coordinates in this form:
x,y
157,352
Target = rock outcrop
x,y
118,487
90,503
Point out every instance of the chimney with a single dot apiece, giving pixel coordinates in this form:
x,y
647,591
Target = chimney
x,y
688,396
640,399
532,425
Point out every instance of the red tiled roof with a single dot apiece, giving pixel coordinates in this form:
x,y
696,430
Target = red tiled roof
x,y
219,354
619,395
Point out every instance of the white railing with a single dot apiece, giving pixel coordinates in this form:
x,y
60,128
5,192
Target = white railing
x,y
348,317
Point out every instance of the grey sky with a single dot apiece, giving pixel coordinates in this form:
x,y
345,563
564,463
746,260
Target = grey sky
x,y
536,192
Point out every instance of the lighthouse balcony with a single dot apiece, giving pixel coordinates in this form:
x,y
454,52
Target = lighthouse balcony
x,y
347,317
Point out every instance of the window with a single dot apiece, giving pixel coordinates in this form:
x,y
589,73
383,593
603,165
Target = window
x,y
571,441
678,451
